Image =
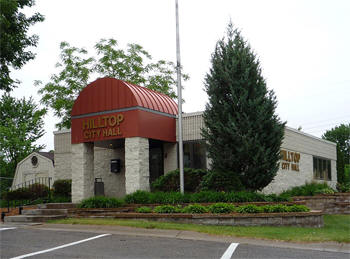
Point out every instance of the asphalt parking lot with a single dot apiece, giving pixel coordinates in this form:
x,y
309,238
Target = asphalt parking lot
x,y
80,242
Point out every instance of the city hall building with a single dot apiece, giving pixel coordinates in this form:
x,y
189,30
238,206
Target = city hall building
x,y
126,137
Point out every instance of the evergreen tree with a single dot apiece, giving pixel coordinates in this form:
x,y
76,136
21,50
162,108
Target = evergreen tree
x,y
243,132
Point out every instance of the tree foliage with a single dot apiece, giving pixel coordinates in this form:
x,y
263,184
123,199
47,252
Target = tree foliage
x,y
243,132
341,136
21,125
133,64
14,40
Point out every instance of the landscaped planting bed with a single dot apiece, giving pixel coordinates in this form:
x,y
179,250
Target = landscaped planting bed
x,y
238,214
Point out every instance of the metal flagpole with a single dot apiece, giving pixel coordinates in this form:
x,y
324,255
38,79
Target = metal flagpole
x,y
179,98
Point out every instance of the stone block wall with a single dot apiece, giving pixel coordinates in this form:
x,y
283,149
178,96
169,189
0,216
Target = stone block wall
x,y
82,171
136,164
338,203
114,183
63,154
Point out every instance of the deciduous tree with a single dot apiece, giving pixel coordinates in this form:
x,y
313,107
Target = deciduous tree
x,y
340,135
21,125
14,40
134,64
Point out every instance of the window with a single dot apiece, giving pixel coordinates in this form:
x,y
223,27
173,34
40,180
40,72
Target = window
x,y
322,169
195,155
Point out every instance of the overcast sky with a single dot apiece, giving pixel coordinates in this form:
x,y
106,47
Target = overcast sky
x,y
303,47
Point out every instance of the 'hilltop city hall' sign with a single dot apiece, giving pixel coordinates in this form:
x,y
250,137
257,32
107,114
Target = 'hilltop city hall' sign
x,y
104,126
290,160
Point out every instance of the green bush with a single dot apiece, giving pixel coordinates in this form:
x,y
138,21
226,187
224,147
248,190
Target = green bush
x,y
308,189
221,208
250,208
297,208
169,197
170,182
343,187
32,192
167,209
138,197
221,181
208,196
144,209
101,202
143,197
194,209
62,188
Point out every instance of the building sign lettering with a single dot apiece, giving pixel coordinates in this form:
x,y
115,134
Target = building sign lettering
x,y
104,126
290,160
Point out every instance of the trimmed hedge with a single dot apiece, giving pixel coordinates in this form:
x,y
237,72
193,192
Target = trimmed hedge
x,y
225,208
170,182
143,197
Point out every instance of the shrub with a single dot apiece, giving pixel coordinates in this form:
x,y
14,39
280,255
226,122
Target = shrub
x,y
221,208
138,197
62,188
170,182
297,208
343,187
221,181
168,197
32,192
167,209
308,189
194,209
325,191
144,209
101,202
143,197
208,196
250,208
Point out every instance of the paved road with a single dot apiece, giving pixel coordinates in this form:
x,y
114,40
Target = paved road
x,y
34,242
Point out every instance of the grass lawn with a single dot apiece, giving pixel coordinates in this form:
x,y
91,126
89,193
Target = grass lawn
x,y
336,228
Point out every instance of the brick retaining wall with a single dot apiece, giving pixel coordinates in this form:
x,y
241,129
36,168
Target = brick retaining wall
x,y
338,203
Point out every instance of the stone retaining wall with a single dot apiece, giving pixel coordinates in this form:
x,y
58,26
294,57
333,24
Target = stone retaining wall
x,y
338,203
299,219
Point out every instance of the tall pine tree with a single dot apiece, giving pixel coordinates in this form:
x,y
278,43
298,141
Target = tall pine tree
x,y
243,132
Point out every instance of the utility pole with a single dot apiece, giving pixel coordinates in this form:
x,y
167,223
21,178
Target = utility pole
x,y
179,100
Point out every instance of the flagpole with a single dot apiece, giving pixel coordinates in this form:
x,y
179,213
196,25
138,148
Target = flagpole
x,y
179,98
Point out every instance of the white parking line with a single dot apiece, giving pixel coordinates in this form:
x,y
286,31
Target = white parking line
x,y
59,247
1,229
229,251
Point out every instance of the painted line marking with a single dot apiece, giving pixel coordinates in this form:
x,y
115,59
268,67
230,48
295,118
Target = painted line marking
x,y
59,247
229,251
1,229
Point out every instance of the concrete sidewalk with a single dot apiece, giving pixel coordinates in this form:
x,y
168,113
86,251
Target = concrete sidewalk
x,y
190,235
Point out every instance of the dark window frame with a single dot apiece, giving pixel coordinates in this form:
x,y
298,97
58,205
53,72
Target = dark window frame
x,y
192,155
322,168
